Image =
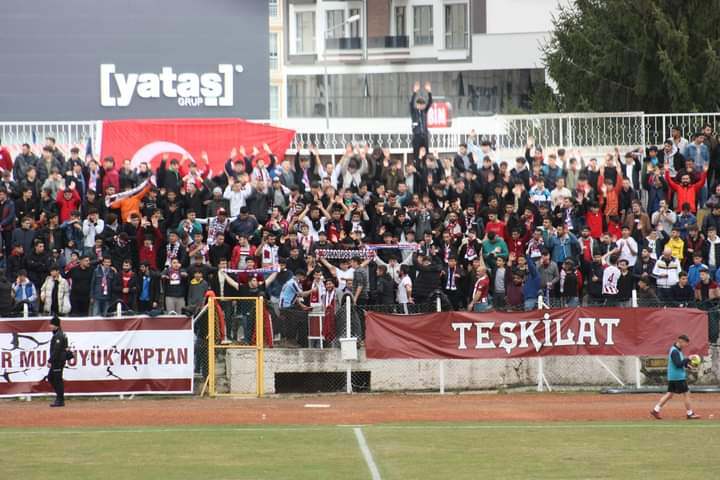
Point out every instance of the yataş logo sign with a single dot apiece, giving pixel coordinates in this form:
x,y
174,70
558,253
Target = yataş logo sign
x,y
212,89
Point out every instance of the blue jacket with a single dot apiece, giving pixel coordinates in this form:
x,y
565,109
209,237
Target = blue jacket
x,y
96,290
562,248
676,365
694,274
691,153
531,288
27,292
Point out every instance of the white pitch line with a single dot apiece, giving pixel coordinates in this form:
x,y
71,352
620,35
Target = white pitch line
x,y
220,429
317,405
374,472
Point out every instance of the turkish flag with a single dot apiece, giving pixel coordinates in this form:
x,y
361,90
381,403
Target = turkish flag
x,y
147,140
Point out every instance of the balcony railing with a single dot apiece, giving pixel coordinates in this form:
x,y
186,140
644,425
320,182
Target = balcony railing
x,y
389,41
343,43
273,10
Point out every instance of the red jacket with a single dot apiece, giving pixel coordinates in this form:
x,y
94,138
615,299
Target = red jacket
x,y
6,161
149,254
111,177
498,227
67,206
686,194
517,247
594,221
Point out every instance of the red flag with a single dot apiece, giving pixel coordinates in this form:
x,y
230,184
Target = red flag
x,y
146,140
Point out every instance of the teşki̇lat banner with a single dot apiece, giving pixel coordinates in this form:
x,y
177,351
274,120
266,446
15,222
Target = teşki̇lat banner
x,y
112,355
146,140
568,331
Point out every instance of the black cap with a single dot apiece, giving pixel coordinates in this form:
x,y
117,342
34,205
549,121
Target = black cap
x,y
55,321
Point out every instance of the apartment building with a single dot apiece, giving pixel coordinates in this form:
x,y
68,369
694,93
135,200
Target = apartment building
x,y
277,74
482,56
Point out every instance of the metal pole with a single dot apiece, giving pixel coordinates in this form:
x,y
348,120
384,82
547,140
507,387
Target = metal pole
x,y
441,365
348,315
327,93
638,363
211,346
260,346
541,372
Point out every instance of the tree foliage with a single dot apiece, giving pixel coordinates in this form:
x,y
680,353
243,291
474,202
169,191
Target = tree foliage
x,y
636,55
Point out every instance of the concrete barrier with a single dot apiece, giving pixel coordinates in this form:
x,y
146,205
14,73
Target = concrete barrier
x,y
424,375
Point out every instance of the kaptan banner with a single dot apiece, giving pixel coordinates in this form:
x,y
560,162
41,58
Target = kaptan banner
x,y
568,331
112,356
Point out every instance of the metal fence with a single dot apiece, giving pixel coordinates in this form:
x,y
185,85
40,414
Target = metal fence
x,y
592,133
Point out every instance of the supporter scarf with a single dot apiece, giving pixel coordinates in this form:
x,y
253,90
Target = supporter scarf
x,y
344,254
172,252
128,193
392,246
252,271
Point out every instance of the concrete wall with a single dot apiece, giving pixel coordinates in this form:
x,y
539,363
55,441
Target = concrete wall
x,y
417,375
513,16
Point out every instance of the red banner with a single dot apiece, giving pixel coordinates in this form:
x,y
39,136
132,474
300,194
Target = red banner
x,y
146,140
112,355
568,331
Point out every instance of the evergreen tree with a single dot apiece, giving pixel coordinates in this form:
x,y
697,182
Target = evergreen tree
x,y
635,55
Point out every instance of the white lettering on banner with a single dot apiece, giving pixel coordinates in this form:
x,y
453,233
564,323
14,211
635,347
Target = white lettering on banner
x,y
587,330
462,328
609,324
509,340
527,331
484,329
212,89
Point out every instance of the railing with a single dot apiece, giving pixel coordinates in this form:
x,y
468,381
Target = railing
x,y
389,41
343,43
592,133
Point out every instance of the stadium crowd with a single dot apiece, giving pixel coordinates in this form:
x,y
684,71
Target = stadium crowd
x,y
81,234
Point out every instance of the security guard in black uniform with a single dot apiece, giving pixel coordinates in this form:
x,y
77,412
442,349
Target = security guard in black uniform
x,y
58,356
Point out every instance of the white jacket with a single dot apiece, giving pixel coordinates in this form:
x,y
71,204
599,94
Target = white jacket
x,y
46,296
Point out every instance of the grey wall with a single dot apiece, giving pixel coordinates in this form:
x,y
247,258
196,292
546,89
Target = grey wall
x,y
51,52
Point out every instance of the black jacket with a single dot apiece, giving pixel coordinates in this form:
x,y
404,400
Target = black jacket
x,y
58,347
80,279
427,279
7,299
419,117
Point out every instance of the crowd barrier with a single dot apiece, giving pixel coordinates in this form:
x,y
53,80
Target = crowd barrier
x,y
592,133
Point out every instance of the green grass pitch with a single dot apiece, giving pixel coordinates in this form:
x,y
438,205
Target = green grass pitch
x,y
659,450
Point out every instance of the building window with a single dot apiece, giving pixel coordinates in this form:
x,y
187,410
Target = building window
x,y
400,25
273,51
304,33
334,20
355,26
456,26
274,11
274,102
423,25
